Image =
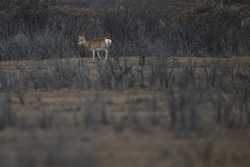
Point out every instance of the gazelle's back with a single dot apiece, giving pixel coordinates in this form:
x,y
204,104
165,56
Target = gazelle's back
x,y
100,42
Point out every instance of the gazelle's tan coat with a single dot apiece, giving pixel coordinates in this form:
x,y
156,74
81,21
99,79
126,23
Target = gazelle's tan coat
x,y
96,45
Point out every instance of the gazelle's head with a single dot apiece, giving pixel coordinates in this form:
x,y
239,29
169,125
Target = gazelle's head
x,y
82,40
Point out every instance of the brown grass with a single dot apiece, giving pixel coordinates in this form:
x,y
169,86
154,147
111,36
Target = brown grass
x,y
130,60
127,149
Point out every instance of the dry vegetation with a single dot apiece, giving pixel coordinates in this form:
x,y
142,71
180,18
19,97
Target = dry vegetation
x,y
176,91
171,112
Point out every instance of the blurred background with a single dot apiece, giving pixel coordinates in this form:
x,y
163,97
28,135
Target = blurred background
x,y
49,28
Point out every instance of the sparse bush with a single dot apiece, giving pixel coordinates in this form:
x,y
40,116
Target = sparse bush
x,y
95,112
7,118
184,111
46,120
119,75
56,76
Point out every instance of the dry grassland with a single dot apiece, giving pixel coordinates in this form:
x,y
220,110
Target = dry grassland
x,y
54,127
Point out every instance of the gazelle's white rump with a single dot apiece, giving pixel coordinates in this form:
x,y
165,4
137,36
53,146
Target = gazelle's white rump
x,y
108,42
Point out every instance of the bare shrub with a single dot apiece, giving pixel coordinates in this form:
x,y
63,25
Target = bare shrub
x,y
46,120
184,111
118,75
57,75
162,73
8,80
46,44
7,118
95,112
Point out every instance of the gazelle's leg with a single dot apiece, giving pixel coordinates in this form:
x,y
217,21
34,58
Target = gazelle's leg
x,y
106,54
98,54
93,54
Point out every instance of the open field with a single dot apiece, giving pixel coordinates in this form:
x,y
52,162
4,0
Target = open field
x,y
52,129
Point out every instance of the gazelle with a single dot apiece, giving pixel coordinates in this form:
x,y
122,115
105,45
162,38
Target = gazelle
x,y
96,45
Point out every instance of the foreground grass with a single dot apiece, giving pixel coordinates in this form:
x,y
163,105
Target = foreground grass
x,y
111,128
104,147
